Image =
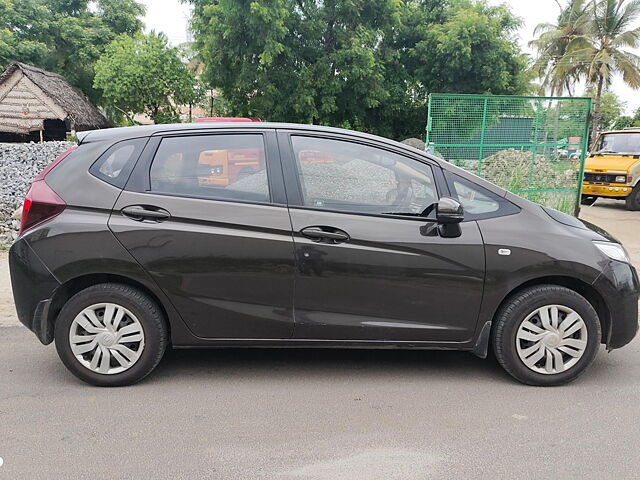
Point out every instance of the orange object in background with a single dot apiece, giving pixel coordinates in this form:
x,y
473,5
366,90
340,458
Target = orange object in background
x,y
228,165
313,156
219,163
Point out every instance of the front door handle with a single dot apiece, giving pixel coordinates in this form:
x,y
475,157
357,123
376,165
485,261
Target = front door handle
x,y
145,212
330,234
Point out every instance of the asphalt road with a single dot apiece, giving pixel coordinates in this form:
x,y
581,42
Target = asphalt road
x,y
313,414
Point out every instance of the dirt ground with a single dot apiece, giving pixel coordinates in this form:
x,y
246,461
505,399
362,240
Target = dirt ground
x,y
7,311
607,214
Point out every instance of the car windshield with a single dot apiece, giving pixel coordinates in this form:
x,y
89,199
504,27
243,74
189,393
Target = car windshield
x,y
619,143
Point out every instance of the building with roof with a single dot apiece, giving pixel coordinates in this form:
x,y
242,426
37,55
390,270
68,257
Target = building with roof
x,y
40,105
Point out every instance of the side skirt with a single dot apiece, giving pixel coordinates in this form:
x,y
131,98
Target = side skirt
x,y
314,343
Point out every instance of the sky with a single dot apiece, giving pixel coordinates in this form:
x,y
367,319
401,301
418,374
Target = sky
x,y
172,18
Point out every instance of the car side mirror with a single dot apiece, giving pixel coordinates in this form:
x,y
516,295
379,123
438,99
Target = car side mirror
x,y
449,214
449,211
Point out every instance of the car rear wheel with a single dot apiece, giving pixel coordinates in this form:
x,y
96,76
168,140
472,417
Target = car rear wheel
x,y
633,200
110,335
546,335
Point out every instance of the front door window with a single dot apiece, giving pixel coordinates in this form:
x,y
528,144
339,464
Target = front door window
x,y
351,177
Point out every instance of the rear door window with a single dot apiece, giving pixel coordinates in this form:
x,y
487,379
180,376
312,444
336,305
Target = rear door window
x,y
223,167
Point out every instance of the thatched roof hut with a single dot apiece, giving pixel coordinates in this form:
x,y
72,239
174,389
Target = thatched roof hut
x,y
41,104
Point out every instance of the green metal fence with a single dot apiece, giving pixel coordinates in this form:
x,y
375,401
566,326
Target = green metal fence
x,y
532,146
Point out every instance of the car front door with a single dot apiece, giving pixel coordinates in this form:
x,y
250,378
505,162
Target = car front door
x,y
370,263
205,215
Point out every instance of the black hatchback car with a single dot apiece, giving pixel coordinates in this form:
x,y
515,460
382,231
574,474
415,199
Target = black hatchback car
x,y
209,235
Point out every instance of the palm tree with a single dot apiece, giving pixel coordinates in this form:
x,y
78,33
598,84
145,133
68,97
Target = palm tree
x,y
596,49
552,43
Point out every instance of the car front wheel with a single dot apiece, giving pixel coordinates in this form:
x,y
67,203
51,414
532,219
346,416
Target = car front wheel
x,y
110,335
546,335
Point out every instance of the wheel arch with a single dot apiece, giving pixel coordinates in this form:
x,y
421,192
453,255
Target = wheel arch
x,y
77,284
583,288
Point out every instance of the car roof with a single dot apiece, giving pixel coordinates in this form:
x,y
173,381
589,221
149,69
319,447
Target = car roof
x,y
124,133
121,133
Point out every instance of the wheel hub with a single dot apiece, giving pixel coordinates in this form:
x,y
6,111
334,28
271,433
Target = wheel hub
x,y
551,339
106,338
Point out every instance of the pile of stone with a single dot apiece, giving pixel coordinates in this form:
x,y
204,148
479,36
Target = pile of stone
x,y
415,143
19,164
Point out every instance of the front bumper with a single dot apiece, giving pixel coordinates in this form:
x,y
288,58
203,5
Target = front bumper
x,y
33,287
619,190
618,283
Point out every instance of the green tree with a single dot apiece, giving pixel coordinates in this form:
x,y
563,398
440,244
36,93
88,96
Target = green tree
x,y
295,60
467,49
16,40
364,64
454,47
598,50
626,121
65,36
142,74
611,109
552,43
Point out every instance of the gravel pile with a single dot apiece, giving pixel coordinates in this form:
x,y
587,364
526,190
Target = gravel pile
x,y
345,182
339,181
19,164
415,143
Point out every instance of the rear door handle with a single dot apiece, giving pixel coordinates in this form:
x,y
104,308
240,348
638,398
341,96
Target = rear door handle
x,y
333,235
145,212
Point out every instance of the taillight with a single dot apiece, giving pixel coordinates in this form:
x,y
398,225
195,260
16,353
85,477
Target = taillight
x,y
41,202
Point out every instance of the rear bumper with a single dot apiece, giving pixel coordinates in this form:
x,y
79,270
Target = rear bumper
x,y
33,287
617,190
619,285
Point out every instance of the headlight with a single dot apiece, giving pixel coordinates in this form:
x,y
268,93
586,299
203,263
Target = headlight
x,y
621,179
613,250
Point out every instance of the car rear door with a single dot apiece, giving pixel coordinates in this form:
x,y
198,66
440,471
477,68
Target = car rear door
x,y
205,215
369,267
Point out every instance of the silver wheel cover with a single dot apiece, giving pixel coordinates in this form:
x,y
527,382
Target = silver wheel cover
x,y
106,338
552,339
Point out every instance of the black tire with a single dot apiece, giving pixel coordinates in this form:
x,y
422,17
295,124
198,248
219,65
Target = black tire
x,y
513,313
139,304
633,200
584,200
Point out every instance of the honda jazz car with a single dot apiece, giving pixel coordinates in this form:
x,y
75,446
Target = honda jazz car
x,y
261,234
